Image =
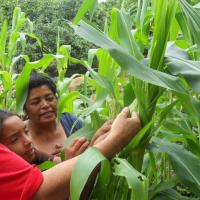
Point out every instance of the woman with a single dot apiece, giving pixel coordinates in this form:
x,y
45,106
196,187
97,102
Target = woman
x,y
47,134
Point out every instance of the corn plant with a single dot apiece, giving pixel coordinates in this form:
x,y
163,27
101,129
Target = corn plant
x,y
149,62
149,81
12,48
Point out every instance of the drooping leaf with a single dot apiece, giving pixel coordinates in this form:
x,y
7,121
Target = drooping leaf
x,y
126,61
87,6
190,70
185,164
86,163
137,182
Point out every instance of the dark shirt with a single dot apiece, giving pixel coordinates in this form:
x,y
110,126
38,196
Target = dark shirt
x,y
41,157
70,123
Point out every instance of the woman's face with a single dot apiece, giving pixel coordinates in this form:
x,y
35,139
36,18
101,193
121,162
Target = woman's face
x,y
15,137
41,105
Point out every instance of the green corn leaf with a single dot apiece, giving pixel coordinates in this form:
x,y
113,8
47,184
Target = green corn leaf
x,y
126,61
64,50
193,20
87,6
185,164
6,80
102,81
103,180
65,102
191,105
137,182
164,15
171,194
87,162
124,33
3,38
87,131
190,70
163,186
97,104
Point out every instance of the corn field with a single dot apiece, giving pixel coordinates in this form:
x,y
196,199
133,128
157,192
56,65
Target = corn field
x,y
148,62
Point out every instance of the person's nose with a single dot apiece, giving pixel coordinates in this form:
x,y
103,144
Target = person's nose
x,y
27,140
44,103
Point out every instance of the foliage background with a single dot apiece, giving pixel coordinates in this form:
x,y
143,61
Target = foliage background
x,y
49,17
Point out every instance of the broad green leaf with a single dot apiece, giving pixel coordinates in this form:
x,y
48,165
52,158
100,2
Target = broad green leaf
x,y
87,131
125,36
85,165
137,182
94,106
190,70
164,15
163,186
7,80
3,38
102,81
126,61
33,36
103,180
62,66
193,20
171,194
87,6
185,164
65,102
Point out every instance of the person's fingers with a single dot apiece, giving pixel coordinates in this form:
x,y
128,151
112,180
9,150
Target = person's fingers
x,y
125,112
83,147
78,143
73,142
135,115
56,152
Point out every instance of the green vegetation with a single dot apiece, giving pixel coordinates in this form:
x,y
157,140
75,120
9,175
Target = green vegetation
x,y
149,61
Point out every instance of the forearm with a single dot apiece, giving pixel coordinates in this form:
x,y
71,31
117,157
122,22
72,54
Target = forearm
x,y
56,181
109,147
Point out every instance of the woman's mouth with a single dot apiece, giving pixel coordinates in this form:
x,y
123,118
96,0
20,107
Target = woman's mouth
x,y
47,114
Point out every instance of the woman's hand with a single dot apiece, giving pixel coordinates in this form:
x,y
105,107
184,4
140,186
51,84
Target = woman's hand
x,y
78,146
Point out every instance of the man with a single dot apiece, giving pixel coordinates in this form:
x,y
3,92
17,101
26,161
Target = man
x,y
20,180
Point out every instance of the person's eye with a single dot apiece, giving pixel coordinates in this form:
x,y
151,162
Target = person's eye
x,y
50,98
13,139
34,102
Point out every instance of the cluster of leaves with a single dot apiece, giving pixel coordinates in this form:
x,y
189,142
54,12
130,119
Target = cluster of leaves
x,y
51,17
162,85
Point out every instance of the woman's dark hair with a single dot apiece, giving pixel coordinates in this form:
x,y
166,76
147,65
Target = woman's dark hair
x,y
37,80
4,114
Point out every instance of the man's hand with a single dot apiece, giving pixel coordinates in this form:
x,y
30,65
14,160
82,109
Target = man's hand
x,y
101,133
123,129
125,126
